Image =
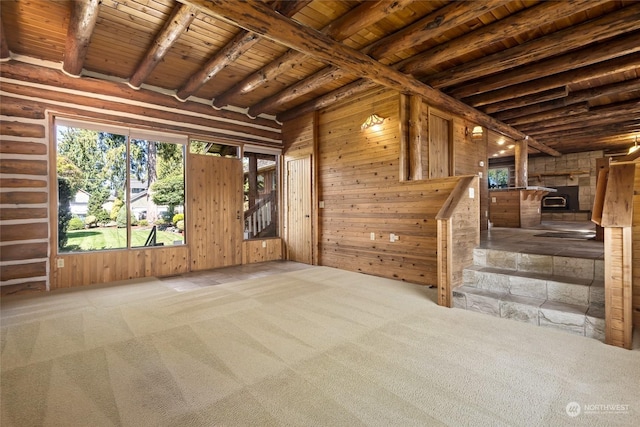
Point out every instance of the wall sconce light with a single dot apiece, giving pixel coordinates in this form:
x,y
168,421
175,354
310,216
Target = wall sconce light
x,y
477,131
634,147
372,120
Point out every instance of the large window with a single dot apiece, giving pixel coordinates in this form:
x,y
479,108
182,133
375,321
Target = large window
x,y
260,171
498,177
118,187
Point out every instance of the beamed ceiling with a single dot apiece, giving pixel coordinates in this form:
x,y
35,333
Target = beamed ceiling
x,y
563,74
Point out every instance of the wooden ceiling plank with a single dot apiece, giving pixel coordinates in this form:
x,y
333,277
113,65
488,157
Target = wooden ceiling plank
x,y
624,45
526,20
572,98
348,24
550,114
431,26
345,92
317,80
84,16
257,17
512,26
549,95
609,114
601,69
180,19
242,42
620,22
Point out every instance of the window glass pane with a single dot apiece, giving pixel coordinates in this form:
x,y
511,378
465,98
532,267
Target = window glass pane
x,y
498,177
91,170
156,193
213,149
260,195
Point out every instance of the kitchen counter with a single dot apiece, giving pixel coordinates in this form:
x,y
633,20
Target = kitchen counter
x,y
517,207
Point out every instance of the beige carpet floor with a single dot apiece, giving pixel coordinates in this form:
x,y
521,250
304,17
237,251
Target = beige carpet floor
x,y
317,346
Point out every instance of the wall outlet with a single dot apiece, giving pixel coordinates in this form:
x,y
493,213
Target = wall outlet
x,y
373,236
264,244
321,204
472,192
493,200
393,237
480,175
60,262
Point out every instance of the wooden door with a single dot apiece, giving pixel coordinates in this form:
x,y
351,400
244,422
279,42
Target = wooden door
x,y
214,211
299,225
439,147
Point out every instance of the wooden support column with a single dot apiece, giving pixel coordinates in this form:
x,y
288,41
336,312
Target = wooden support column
x,y
253,179
415,138
522,163
601,165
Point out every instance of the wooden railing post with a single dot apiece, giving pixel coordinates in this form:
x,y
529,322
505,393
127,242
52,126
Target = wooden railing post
x,y
458,228
613,210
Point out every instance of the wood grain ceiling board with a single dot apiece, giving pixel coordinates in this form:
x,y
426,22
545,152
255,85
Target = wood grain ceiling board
x,y
127,30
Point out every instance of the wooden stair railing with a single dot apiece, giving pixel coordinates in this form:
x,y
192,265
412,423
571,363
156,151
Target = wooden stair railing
x,y
260,216
458,231
613,210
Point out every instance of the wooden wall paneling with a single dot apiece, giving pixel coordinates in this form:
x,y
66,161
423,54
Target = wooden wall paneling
x,y
261,250
362,193
504,209
81,269
635,241
403,134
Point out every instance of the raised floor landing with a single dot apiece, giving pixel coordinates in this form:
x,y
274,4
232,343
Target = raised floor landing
x,y
563,238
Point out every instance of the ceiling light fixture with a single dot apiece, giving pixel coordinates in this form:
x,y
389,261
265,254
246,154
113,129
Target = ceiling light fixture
x,y
372,120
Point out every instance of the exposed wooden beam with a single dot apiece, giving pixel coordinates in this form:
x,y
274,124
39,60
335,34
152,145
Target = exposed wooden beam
x,y
527,20
618,129
431,26
353,21
584,95
564,112
242,42
84,16
523,101
519,57
322,77
5,53
345,92
624,45
602,69
257,17
179,21
610,114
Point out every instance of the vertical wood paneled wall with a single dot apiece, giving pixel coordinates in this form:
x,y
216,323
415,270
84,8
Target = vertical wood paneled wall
x,y
358,181
636,248
30,96
24,197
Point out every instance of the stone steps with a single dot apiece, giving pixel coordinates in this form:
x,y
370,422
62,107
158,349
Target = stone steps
x,y
549,291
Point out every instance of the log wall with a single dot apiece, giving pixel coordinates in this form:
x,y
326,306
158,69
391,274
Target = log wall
x,y
30,96
24,197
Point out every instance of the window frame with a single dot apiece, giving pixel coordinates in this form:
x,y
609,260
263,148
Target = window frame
x,y
130,133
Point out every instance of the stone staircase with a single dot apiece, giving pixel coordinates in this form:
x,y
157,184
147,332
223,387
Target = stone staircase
x,y
550,291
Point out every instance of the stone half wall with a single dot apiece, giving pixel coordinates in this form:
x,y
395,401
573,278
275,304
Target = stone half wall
x,y
574,169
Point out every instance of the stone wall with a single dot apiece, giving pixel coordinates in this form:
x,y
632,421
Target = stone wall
x,y
568,170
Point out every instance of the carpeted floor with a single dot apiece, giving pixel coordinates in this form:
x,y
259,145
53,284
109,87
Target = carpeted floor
x,y
317,346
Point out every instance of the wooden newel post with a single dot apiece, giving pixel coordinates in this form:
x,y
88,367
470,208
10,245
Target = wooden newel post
x,y
522,163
